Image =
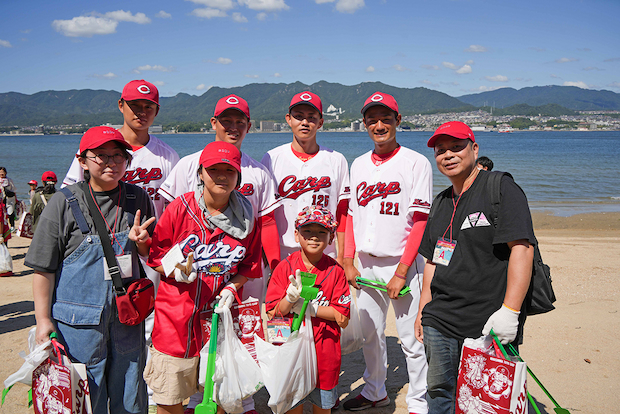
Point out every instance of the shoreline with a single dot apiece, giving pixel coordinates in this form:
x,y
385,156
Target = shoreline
x,y
572,349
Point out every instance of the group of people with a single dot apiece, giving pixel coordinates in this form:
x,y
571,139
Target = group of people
x,y
217,226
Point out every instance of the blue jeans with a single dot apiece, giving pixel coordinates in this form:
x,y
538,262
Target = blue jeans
x,y
443,355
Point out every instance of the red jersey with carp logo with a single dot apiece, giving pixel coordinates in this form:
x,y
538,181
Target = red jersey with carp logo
x,y
322,180
333,291
219,257
385,197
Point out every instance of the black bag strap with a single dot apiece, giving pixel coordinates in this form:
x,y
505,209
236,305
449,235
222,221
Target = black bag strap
x,y
106,243
75,209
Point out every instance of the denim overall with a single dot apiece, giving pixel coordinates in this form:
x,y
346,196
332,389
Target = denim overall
x,y
85,312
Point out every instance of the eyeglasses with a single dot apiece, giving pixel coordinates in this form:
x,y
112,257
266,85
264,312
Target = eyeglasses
x,y
104,158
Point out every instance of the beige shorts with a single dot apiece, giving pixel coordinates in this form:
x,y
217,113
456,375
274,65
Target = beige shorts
x,y
172,379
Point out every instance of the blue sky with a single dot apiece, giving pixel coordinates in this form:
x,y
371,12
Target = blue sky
x,y
453,46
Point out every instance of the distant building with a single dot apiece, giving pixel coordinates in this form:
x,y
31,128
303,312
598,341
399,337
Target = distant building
x,y
355,126
156,129
267,126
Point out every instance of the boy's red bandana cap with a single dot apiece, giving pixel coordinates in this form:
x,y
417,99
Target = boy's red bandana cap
x,y
319,215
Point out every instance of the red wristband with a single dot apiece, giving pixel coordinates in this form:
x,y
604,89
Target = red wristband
x,y
400,277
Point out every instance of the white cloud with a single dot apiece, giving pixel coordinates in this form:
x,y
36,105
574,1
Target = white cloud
x,y
5,43
251,76
578,84
400,68
216,4
277,75
476,49
159,83
156,68
265,5
469,62
208,13
430,67
565,60
593,68
163,15
239,18
485,88
108,75
261,16
449,65
85,26
464,69
497,78
223,61
126,16
201,87
344,6
370,69
428,82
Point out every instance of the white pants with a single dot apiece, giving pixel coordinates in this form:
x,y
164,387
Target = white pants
x,y
373,307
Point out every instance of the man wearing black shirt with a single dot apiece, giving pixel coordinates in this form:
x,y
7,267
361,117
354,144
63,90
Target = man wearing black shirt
x,y
476,275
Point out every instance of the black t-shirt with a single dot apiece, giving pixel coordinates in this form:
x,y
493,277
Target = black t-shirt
x,y
467,291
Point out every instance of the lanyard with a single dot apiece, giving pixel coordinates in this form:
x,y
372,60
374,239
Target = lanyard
x,y
120,193
456,205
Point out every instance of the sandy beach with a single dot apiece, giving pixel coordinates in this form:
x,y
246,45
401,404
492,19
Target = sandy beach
x,y
571,349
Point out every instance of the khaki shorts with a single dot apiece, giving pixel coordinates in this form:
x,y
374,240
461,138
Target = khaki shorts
x,y
172,379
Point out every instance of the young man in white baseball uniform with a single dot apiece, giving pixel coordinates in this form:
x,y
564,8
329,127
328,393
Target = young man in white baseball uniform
x,y
307,173
152,159
392,191
231,122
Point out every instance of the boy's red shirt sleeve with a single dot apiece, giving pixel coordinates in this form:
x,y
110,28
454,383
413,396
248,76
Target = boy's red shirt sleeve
x,y
250,266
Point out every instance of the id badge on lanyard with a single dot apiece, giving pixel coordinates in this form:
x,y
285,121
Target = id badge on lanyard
x,y
124,264
443,251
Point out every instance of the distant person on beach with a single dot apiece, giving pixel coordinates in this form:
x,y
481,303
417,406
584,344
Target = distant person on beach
x,y
5,230
215,225
315,227
392,190
73,294
42,196
484,163
231,122
33,189
152,159
307,173
8,194
476,275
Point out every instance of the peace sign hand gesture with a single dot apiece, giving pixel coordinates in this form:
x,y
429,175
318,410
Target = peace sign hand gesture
x,y
140,234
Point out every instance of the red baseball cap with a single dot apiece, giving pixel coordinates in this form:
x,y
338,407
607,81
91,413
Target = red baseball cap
x,y
97,136
455,129
380,98
319,215
33,182
48,176
307,98
140,89
234,102
218,152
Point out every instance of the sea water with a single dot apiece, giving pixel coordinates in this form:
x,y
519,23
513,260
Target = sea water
x,y
566,172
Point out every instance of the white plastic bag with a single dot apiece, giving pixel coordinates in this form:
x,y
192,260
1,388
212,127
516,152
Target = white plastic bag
x,y
237,376
38,354
290,370
6,261
351,337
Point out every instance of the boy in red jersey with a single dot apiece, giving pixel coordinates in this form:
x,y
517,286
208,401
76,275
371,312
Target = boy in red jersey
x,y
314,231
214,223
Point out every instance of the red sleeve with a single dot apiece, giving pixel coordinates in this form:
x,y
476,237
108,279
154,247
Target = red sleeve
x,y
341,296
341,215
349,239
250,265
270,239
163,236
414,239
277,285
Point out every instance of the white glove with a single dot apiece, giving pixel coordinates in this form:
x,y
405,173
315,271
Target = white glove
x,y
312,308
180,276
504,323
293,291
1,239
227,296
186,271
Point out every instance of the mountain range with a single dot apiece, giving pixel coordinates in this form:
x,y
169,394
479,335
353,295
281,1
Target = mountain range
x,y
269,101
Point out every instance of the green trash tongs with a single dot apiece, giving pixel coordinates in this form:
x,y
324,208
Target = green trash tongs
x,y
208,406
308,293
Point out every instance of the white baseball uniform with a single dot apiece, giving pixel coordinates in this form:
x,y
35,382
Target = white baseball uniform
x,y
322,180
384,200
257,185
149,167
